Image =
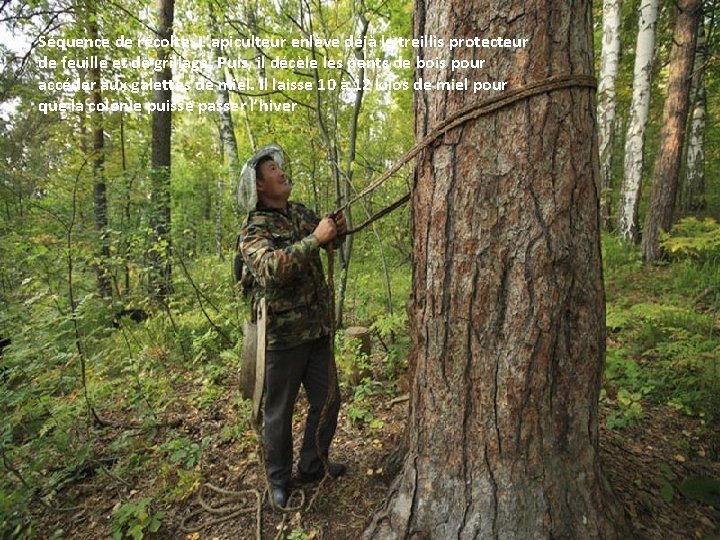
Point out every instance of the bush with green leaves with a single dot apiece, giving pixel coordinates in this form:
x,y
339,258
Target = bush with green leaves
x,y
134,519
184,451
359,409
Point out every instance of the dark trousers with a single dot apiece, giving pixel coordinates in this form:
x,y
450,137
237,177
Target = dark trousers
x,y
284,372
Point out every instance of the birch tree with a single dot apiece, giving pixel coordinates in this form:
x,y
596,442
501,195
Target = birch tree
x,y
639,108
694,199
227,136
606,101
508,324
667,165
98,158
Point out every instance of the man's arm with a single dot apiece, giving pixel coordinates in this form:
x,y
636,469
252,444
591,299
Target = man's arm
x,y
274,267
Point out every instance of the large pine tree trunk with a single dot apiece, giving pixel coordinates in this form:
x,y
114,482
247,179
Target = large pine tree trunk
x,y
667,165
508,312
606,102
634,141
160,274
694,200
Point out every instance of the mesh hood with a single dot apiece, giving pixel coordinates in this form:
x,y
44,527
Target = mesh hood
x,y
246,192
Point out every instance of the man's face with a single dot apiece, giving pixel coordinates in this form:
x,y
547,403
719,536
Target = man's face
x,y
275,185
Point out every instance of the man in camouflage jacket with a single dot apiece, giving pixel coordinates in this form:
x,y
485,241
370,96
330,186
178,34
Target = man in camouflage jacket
x,y
280,243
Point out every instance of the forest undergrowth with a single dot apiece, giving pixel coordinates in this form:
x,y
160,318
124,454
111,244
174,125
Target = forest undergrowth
x,y
112,426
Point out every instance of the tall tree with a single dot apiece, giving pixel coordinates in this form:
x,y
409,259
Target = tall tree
x,y
227,136
606,101
508,312
635,139
160,274
90,12
667,165
346,186
694,199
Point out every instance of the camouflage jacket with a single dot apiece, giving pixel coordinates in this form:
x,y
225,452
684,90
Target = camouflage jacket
x,y
282,258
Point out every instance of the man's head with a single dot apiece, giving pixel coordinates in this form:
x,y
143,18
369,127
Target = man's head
x,y
251,183
272,184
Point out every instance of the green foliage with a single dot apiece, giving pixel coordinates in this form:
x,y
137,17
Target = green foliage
x,y
629,411
389,324
625,372
139,370
618,255
184,451
665,482
664,345
704,490
351,361
359,410
13,522
297,534
134,519
179,483
697,239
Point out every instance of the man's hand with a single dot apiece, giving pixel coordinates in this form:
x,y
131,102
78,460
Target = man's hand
x,y
340,224
325,231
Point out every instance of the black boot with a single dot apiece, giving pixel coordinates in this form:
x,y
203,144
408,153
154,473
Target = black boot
x,y
278,497
333,469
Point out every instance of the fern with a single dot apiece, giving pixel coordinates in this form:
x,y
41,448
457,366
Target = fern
x,y
693,238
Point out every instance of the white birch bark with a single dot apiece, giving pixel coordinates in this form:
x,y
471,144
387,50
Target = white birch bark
x,y
642,76
227,139
606,100
227,134
695,160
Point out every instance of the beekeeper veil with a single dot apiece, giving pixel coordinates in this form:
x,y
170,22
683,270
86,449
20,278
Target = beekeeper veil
x,y
246,192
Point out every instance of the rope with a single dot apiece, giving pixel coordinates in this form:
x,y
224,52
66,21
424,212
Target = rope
x,y
460,117
237,503
381,213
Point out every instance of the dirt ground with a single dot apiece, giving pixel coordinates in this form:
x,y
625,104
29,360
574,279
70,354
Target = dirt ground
x,y
662,450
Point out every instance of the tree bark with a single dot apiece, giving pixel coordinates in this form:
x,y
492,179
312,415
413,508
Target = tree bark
x,y
98,162
667,165
606,103
161,270
127,259
634,141
229,142
508,315
346,188
694,200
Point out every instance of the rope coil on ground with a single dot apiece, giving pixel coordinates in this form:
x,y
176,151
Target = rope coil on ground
x,y
234,505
